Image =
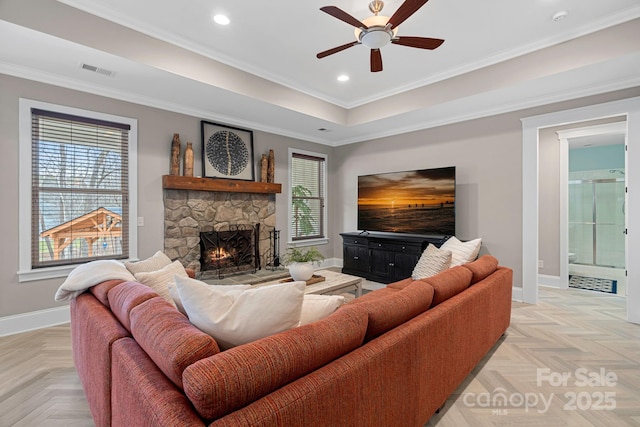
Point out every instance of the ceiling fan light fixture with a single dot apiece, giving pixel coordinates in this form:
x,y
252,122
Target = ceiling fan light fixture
x,y
377,31
377,35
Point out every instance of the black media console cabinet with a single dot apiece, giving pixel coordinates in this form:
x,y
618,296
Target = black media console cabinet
x,y
384,257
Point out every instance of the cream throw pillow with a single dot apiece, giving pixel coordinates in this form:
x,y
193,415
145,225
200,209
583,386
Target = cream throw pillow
x,y
234,317
159,280
173,291
432,262
153,263
316,307
462,252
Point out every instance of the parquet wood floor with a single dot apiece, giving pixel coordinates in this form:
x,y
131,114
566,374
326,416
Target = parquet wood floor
x,y
578,334
573,357
38,381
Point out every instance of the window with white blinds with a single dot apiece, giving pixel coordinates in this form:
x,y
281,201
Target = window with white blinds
x,y
79,189
308,186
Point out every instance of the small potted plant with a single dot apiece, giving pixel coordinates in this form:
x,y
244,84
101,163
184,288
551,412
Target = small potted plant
x,y
300,262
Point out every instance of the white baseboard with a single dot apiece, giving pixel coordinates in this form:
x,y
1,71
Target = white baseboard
x,y
550,281
516,294
25,322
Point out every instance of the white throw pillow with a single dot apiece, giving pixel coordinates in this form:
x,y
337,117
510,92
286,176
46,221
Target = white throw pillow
x,y
462,252
159,280
153,263
316,307
175,296
432,262
173,291
234,317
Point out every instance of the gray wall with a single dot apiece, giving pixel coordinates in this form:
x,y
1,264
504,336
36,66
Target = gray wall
x,y
486,153
487,157
549,202
155,130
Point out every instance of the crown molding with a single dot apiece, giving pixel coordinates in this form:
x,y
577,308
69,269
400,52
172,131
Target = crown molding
x,y
489,110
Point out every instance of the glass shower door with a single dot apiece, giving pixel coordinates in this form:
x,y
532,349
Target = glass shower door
x,y
596,222
609,223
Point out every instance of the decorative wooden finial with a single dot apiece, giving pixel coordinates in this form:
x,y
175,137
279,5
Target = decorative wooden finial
x,y
272,167
175,155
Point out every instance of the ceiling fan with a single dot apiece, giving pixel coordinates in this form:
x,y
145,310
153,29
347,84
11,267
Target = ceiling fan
x,y
378,31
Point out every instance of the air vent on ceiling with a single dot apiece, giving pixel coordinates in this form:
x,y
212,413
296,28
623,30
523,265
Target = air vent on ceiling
x,y
98,70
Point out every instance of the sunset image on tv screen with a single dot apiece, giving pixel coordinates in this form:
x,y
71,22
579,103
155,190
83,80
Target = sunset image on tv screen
x,y
421,201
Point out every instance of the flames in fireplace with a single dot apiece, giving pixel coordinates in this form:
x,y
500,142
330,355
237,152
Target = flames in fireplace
x,y
229,251
219,255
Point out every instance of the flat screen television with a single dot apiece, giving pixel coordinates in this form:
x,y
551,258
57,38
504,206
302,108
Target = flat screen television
x,y
414,202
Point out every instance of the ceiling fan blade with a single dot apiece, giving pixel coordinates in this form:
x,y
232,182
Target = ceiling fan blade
x,y
376,60
419,42
343,16
408,8
335,50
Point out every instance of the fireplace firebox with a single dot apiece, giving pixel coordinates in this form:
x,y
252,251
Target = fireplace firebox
x,y
230,251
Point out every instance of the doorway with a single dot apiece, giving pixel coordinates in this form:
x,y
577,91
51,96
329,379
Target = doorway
x,y
593,217
530,173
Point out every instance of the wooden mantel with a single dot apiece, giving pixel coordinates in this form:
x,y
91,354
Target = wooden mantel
x,y
176,182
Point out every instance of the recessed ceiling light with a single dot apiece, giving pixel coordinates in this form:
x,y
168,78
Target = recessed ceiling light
x,y
343,78
559,16
221,19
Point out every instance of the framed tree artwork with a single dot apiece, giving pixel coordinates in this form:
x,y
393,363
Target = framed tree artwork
x,y
227,152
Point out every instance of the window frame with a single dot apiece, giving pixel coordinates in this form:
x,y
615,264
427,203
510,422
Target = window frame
x,y
317,240
26,271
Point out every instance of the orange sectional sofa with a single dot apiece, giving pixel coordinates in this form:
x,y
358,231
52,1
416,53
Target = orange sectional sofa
x,y
390,357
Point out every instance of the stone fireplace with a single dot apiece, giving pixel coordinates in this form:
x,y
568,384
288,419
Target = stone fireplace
x,y
189,212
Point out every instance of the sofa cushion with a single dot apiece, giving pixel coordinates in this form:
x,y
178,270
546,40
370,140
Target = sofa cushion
x,y
401,284
101,290
482,267
168,337
153,263
394,307
220,384
93,332
462,252
431,262
242,316
449,283
376,294
159,280
142,395
125,296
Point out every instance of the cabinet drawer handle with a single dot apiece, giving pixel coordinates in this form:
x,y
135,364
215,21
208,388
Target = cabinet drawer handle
x,y
355,257
379,245
391,264
355,241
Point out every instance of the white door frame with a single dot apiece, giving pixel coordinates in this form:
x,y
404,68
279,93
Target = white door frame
x,y
530,164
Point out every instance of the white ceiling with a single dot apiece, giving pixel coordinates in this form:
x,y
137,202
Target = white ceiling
x,y
597,140
498,55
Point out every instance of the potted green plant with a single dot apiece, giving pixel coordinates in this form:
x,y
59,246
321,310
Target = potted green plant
x,y
300,262
302,217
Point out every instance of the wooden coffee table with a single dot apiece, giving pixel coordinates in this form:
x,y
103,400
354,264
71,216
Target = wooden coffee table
x,y
335,283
